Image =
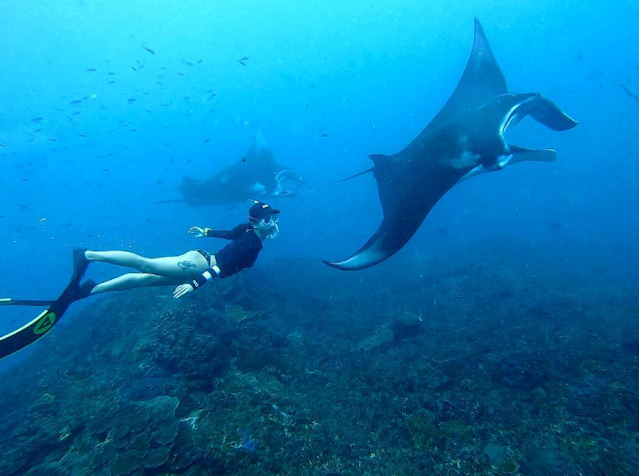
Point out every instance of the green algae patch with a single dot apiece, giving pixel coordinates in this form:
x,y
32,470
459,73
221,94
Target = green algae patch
x,y
421,426
237,313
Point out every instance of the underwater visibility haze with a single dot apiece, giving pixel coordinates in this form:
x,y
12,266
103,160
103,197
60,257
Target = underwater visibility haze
x,y
226,152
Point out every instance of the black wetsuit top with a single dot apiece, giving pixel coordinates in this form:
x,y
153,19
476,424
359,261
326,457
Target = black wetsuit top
x,y
239,254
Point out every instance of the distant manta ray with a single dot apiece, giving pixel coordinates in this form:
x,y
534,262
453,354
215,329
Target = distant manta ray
x,y
463,140
255,176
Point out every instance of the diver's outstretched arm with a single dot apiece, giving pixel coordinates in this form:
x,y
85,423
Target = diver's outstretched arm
x,y
233,234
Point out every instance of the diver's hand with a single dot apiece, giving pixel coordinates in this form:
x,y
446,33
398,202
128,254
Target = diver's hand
x,y
197,231
182,289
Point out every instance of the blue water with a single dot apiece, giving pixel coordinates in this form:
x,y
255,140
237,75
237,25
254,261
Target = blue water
x,y
371,75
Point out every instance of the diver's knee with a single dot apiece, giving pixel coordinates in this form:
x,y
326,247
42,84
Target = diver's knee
x,y
146,265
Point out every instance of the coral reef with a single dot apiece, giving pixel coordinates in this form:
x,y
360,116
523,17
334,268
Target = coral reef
x,y
489,367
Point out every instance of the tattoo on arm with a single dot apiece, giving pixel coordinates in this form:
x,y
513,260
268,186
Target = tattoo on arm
x,y
184,265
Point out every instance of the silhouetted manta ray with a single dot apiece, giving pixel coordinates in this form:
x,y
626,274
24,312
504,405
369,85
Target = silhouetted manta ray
x,y
254,176
463,140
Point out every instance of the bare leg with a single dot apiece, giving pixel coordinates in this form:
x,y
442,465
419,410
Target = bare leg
x,y
135,280
189,265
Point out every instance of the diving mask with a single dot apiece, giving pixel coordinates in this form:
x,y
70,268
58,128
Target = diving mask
x,y
269,223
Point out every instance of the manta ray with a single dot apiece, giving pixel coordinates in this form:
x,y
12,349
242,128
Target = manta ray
x,y
255,176
465,139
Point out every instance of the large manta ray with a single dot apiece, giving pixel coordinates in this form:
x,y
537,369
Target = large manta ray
x,y
463,140
254,176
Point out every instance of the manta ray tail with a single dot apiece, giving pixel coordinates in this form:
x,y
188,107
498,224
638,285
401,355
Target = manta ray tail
x,y
163,202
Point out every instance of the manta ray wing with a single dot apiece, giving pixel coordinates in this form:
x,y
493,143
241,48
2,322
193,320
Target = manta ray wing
x,y
405,203
481,81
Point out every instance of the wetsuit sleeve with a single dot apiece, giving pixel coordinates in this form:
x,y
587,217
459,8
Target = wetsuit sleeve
x,y
233,234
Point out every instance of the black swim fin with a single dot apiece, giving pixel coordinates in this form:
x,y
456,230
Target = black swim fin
x,y
80,264
44,322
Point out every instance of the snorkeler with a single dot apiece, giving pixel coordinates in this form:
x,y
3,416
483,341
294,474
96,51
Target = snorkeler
x,y
190,271
194,268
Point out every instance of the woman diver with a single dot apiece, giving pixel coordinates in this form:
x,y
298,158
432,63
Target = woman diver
x,y
189,271
192,269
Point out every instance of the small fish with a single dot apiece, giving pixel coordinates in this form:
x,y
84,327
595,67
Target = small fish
x,y
38,130
43,219
105,170
133,130
81,135
91,70
180,74
77,101
244,58
186,98
206,141
133,68
76,113
131,101
200,61
111,73
324,135
111,82
442,231
212,95
188,161
2,145
53,139
242,63
37,119
67,225
149,50
22,206
189,63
